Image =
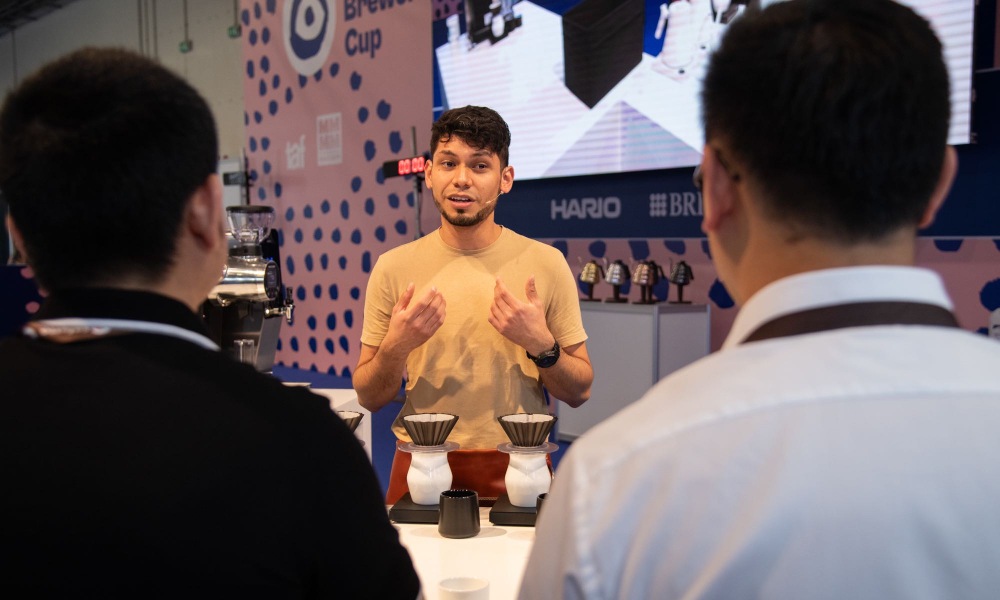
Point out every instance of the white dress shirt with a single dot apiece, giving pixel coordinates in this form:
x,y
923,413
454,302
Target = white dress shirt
x,y
854,463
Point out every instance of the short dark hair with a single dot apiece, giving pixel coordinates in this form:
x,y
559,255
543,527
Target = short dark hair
x,y
99,153
478,126
838,109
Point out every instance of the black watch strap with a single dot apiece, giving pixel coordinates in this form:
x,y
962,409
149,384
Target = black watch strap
x,y
546,359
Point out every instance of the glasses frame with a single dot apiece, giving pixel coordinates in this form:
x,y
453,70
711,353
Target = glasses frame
x,y
698,179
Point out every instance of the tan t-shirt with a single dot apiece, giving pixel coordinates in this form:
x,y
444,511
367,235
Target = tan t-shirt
x,y
467,368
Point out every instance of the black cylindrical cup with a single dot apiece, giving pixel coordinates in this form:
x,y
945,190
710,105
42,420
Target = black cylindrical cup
x,y
458,515
539,502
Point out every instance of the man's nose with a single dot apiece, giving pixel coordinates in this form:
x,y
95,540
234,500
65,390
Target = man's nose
x,y
463,176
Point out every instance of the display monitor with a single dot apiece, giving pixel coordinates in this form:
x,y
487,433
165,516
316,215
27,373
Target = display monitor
x,y
610,86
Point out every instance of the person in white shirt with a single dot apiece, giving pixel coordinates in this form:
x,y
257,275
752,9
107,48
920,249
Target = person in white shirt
x,y
844,442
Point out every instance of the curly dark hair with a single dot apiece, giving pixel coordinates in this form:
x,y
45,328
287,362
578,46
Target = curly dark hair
x,y
478,126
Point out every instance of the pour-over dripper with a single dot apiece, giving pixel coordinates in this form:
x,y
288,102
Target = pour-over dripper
x,y
429,429
351,418
527,430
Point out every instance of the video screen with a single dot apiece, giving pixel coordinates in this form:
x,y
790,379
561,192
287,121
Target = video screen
x,y
611,86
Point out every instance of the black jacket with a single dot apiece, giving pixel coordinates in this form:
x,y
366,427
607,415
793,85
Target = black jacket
x,y
144,465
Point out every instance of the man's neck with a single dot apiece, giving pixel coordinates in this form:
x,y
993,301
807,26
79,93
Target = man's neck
x,y
473,237
777,258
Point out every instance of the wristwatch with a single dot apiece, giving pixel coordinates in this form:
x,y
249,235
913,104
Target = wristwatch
x,y
546,359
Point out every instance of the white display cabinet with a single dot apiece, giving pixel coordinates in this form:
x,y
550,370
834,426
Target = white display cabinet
x,y
632,346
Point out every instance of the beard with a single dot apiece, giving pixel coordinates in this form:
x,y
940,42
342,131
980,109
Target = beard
x,y
466,219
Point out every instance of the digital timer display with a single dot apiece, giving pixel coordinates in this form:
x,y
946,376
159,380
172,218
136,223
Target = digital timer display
x,y
407,166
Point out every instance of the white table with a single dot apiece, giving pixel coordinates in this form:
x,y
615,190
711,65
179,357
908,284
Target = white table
x,y
498,554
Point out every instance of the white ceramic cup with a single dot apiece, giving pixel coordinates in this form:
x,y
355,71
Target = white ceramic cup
x,y
464,588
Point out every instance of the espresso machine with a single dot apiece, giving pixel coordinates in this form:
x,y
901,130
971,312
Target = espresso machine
x,y
245,309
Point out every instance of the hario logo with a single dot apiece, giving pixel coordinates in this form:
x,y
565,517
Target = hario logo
x,y
609,207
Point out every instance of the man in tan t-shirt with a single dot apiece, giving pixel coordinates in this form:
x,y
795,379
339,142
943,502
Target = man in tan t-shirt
x,y
513,322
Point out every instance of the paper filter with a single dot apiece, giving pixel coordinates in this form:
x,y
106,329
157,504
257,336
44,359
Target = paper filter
x,y
429,429
527,430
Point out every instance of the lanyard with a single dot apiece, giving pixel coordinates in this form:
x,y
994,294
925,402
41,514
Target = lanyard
x,y
69,330
857,314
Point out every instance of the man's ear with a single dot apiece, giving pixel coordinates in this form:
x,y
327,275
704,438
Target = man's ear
x,y
204,216
718,193
428,169
949,168
506,179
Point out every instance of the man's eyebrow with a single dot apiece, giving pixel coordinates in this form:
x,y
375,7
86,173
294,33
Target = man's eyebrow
x,y
478,153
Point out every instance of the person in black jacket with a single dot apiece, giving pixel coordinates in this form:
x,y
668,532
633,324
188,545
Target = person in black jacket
x,y
136,459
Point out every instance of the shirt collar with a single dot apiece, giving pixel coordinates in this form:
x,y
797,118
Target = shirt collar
x,y
830,287
108,303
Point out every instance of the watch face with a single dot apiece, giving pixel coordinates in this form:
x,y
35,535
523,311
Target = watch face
x,y
547,360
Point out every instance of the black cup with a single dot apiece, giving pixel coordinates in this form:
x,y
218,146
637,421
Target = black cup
x,y
458,515
539,502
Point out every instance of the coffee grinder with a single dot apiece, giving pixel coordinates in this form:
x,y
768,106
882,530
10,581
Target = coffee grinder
x,y
244,310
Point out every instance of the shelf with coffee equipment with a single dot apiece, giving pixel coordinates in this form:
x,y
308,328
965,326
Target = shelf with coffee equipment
x,y
634,343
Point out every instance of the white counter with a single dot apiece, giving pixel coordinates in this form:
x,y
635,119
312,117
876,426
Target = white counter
x,y
498,554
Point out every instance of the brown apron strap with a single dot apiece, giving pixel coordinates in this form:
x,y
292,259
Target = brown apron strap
x,y
858,314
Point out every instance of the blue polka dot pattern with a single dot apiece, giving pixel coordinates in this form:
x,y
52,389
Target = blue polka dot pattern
x,y
989,296
640,249
948,245
561,246
706,248
598,249
349,318
675,246
384,109
395,142
318,235
719,295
